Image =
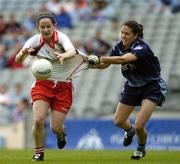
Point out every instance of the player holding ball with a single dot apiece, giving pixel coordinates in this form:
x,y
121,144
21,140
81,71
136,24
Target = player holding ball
x,y
144,86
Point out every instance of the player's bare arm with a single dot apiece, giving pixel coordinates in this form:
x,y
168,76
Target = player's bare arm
x,y
129,57
104,61
67,55
20,57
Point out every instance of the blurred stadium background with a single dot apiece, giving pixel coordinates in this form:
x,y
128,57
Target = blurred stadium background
x,y
93,26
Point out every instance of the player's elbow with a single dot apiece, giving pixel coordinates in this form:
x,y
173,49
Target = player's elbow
x,y
71,53
129,57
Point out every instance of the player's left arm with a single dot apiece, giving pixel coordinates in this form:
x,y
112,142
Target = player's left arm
x,y
26,50
66,55
70,51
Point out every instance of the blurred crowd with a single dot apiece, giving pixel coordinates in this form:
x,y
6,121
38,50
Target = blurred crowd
x,y
14,105
159,6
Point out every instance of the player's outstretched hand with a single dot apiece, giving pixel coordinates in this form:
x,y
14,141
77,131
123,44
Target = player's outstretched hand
x,y
93,60
27,51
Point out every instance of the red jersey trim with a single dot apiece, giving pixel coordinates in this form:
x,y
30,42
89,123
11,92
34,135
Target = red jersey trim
x,y
54,39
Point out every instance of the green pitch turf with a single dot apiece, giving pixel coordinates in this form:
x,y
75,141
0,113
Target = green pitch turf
x,y
89,157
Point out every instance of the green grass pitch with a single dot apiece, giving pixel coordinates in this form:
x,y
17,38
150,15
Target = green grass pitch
x,y
89,157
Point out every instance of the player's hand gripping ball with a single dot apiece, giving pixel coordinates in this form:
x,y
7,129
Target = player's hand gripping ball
x,y
42,69
93,60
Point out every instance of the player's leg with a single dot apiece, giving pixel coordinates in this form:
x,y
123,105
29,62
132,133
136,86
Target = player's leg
x,y
130,97
57,127
40,110
142,118
60,107
121,120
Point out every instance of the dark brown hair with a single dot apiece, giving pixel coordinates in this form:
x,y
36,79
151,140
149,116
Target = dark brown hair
x,y
136,27
45,15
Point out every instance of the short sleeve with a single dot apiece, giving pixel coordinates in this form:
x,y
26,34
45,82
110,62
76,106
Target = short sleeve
x,y
65,41
31,42
114,51
141,51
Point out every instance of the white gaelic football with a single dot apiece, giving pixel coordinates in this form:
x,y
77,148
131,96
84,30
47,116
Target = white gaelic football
x,y
93,60
42,69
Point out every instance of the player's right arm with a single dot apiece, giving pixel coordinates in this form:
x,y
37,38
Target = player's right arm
x,y
95,63
21,56
27,49
105,61
98,66
92,60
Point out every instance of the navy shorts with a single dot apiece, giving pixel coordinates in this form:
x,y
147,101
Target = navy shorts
x,y
154,91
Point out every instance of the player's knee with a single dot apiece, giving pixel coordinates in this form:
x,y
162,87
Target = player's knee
x,y
118,122
39,123
57,129
54,129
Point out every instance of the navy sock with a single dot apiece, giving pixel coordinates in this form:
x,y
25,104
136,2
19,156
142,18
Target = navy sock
x,y
141,147
130,131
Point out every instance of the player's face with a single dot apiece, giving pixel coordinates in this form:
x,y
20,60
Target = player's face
x,y
46,28
127,36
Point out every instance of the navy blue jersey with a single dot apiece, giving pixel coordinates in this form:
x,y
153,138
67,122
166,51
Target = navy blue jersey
x,y
142,71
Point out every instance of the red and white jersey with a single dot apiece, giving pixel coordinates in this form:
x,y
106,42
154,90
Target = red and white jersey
x,y
60,43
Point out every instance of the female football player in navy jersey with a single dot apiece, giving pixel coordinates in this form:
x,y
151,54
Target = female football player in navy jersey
x,y
144,86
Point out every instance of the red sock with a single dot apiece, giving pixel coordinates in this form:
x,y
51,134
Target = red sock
x,y
39,150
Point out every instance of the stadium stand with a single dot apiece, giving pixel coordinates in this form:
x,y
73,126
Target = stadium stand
x,y
97,91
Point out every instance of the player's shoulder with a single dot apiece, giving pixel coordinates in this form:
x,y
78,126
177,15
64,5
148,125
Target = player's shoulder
x,y
33,41
116,44
140,44
60,34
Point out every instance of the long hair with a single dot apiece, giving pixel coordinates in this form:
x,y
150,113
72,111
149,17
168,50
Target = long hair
x,y
136,27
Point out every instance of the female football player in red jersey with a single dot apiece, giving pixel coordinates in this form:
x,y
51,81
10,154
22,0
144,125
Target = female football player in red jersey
x,y
56,92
